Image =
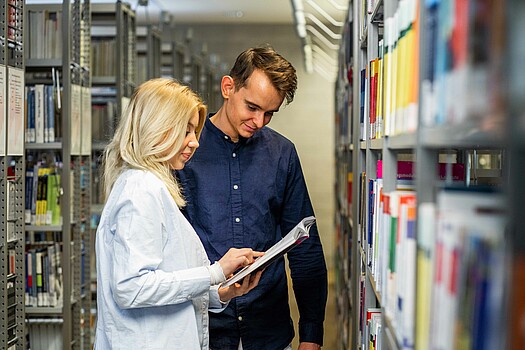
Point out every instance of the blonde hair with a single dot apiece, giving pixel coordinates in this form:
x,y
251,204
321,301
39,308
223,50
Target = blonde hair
x,y
151,131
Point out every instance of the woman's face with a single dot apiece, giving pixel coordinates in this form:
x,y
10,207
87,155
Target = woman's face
x,y
189,145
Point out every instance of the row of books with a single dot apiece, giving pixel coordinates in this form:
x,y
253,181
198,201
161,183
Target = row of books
x,y
372,335
103,118
104,57
458,291
43,117
11,310
462,264
43,276
464,48
388,238
45,34
389,84
43,192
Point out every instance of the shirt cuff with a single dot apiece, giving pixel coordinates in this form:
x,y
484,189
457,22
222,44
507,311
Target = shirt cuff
x,y
216,305
216,274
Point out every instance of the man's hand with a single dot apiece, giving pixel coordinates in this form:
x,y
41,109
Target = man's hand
x,y
309,346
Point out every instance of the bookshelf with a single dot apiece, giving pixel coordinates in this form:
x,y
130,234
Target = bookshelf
x,y
428,157
172,61
57,151
113,37
12,281
344,221
149,54
113,80
200,71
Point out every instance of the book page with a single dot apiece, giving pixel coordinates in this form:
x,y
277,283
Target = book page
x,y
298,234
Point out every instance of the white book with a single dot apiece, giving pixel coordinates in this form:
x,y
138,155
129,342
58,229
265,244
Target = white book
x,y
39,114
298,234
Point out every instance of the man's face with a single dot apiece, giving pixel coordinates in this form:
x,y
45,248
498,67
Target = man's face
x,y
252,106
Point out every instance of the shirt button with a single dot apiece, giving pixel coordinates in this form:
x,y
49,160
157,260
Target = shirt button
x,y
225,137
235,187
234,155
239,318
237,220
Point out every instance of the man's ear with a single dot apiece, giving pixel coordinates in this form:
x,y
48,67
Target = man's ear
x,y
227,86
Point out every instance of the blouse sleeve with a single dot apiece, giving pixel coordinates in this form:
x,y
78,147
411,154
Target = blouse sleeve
x,y
138,246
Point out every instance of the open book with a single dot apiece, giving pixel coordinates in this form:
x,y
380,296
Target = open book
x,y
298,234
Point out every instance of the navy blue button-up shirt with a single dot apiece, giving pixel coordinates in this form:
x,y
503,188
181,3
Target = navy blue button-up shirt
x,y
250,194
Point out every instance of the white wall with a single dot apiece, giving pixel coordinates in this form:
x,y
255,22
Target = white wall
x,y
308,121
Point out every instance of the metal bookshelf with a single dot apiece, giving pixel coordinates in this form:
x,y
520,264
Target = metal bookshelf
x,y
172,63
149,53
62,326
113,26
488,142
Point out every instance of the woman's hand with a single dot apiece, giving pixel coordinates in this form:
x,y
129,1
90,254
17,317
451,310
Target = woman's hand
x,y
237,289
236,258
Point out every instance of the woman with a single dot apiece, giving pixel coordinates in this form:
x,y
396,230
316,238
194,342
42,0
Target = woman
x,y
154,280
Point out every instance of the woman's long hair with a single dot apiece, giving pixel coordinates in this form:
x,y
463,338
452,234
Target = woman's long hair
x,y
151,131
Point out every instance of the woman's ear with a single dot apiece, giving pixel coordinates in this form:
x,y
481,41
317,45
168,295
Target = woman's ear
x,y
227,86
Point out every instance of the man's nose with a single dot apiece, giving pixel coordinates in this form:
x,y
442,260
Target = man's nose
x,y
259,120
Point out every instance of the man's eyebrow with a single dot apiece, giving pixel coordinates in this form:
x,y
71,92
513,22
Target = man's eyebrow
x,y
256,105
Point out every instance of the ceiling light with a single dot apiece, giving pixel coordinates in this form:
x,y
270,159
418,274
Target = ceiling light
x,y
235,14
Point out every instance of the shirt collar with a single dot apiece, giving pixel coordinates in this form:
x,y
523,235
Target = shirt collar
x,y
218,132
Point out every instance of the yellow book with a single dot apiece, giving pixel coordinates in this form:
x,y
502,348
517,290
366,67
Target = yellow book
x,y
387,74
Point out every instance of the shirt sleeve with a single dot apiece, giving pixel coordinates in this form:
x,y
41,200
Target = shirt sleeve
x,y
306,261
138,245
216,305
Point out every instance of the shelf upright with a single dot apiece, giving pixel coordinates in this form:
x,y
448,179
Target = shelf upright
x,y
12,281
516,189
113,74
81,39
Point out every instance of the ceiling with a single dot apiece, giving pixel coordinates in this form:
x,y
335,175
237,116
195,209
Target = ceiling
x,y
234,11
223,11
318,22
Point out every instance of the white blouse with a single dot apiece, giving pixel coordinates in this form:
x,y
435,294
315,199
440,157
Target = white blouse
x,y
153,282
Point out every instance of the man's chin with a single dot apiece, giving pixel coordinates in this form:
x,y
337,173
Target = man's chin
x,y
247,134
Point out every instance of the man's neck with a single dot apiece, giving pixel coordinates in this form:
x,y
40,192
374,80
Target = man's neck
x,y
220,120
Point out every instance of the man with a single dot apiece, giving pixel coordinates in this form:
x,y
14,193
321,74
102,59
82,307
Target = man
x,y
244,187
